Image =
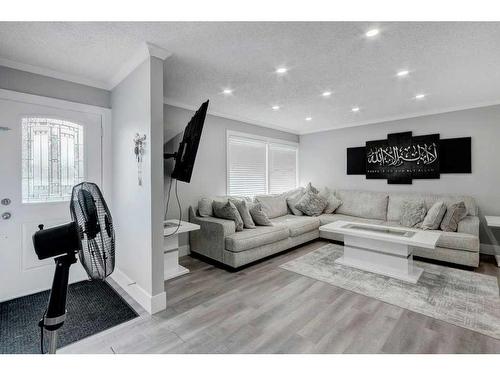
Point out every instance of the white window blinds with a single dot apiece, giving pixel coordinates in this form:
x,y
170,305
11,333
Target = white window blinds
x,y
247,166
259,165
282,168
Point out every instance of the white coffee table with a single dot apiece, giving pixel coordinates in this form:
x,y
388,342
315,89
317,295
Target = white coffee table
x,y
494,222
380,249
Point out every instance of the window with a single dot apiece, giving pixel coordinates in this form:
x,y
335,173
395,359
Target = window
x,y
52,159
258,165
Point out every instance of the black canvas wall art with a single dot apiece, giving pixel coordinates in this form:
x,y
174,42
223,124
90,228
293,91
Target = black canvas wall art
x,y
403,157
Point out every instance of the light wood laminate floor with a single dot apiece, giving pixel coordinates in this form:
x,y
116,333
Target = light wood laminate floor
x,y
265,309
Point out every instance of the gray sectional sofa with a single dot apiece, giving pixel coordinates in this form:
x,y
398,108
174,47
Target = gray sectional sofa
x,y
219,241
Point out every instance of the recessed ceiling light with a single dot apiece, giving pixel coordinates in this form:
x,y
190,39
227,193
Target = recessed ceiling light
x,y
419,96
373,32
275,107
227,91
355,109
281,70
326,94
309,118
403,73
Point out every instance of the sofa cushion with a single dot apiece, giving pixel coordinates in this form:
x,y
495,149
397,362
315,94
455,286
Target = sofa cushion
x,y
258,215
205,204
311,188
297,225
291,201
454,214
227,210
289,193
311,204
273,205
243,208
396,199
330,218
293,194
251,238
365,204
412,213
450,240
434,216
332,200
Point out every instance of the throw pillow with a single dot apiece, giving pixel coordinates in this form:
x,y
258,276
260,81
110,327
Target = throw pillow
x,y
227,210
292,201
292,193
454,214
259,216
311,188
205,207
412,213
311,204
434,216
273,205
244,211
332,200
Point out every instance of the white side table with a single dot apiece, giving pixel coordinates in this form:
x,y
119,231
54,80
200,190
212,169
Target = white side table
x,y
494,222
172,268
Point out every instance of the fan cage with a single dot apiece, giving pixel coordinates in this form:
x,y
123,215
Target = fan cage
x,y
97,253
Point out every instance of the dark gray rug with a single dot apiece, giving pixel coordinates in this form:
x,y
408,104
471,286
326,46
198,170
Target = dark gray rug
x,y
93,306
464,298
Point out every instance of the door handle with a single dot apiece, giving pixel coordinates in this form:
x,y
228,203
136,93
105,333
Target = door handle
x,y
6,215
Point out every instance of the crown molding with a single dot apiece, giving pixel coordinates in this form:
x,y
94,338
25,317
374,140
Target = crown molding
x,y
189,107
53,74
404,117
158,52
145,51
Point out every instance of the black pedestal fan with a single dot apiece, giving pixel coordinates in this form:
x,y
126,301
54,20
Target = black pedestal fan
x,y
91,235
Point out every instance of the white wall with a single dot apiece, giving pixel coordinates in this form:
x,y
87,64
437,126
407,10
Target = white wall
x,y
138,108
323,157
209,174
36,84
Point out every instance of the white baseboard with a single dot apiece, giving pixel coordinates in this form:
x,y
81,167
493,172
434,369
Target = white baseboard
x,y
152,304
184,250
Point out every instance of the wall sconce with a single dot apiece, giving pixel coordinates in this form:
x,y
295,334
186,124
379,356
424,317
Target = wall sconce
x,y
139,151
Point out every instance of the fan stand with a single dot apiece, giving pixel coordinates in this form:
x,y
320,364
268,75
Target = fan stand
x,y
56,310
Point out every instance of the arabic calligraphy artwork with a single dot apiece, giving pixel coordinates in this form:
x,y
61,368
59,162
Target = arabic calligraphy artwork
x,y
402,157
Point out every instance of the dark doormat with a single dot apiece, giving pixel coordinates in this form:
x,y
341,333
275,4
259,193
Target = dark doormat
x,y
93,306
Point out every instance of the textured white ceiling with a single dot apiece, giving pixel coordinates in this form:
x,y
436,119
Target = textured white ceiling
x,y
455,64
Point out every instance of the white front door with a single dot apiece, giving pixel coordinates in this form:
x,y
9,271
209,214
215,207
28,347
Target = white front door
x,y
46,151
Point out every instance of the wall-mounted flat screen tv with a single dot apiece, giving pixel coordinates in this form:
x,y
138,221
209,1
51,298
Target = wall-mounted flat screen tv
x,y
185,156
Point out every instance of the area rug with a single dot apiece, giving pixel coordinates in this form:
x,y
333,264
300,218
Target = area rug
x,y
93,306
464,298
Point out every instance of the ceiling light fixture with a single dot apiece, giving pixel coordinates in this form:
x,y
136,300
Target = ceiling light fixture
x,y
419,96
309,118
281,70
326,94
355,109
403,73
371,33
227,91
275,107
